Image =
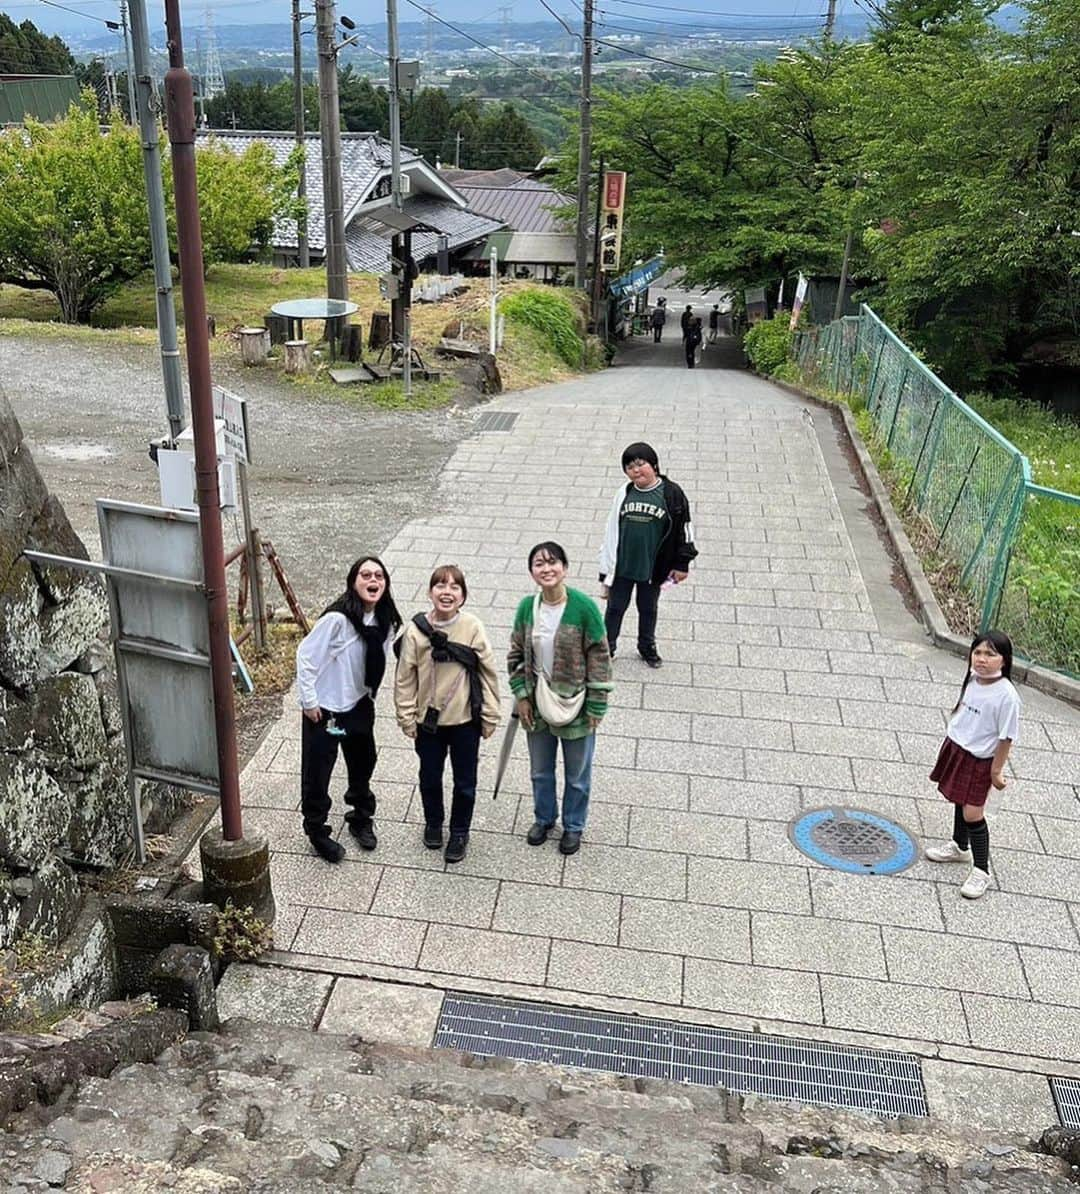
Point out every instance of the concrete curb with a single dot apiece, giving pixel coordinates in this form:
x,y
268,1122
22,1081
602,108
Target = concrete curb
x,y
1035,675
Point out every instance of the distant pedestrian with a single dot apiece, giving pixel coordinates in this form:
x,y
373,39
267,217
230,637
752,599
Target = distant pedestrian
x,y
446,697
657,320
984,724
714,323
692,341
685,319
339,667
648,545
560,673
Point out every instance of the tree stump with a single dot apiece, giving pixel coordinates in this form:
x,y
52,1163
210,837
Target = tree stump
x,y
254,345
297,356
352,342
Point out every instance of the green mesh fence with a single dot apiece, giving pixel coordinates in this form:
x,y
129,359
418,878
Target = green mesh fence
x,y
1011,546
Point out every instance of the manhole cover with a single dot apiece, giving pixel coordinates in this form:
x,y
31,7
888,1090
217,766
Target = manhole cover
x,y
853,840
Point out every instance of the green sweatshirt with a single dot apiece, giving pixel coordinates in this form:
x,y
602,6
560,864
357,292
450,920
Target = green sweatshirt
x,y
582,660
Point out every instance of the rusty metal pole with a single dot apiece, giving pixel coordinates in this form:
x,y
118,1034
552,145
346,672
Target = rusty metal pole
x,y
180,111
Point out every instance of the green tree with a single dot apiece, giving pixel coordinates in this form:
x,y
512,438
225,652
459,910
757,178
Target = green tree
x,y
364,108
74,217
73,220
25,50
504,137
236,200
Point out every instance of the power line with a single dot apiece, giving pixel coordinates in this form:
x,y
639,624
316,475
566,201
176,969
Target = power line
x,y
778,20
705,70
85,15
706,12
476,42
760,35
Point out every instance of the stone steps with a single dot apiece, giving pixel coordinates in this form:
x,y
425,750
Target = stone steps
x,y
262,1107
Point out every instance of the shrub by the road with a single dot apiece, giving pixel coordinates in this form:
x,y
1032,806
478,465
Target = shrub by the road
x,y
768,343
553,315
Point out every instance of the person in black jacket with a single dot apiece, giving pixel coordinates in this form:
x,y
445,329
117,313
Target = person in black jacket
x,y
692,341
648,545
685,319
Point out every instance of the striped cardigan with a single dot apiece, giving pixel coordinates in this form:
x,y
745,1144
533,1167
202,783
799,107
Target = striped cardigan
x,y
582,660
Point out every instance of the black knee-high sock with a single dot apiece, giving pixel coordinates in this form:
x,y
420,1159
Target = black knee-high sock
x,y
959,827
979,836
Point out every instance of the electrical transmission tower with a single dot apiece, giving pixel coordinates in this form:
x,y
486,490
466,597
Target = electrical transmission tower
x,y
430,30
213,80
504,21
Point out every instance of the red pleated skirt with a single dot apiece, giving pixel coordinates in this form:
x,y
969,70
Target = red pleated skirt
x,y
960,776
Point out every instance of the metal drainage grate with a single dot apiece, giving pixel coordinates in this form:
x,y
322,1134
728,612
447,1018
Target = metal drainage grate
x,y
497,420
853,840
1066,1092
887,1084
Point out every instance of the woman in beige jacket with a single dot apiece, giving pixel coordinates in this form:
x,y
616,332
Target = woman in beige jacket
x,y
446,696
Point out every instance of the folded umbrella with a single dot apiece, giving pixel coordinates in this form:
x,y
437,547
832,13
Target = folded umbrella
x,y
504,752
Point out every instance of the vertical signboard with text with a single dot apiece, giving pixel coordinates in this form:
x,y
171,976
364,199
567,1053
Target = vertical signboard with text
x,y
611,217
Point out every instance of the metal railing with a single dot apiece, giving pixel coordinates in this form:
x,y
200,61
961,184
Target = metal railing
x,y
1013,547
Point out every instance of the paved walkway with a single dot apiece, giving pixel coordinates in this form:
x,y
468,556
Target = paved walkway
x,y
792,679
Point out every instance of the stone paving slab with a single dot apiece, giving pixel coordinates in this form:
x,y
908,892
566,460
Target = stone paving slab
x,y
793,679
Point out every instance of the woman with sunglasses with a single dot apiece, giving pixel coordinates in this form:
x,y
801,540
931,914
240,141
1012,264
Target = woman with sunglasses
x,y
339,667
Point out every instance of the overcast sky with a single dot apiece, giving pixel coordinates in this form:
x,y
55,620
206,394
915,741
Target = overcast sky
x,y
741,15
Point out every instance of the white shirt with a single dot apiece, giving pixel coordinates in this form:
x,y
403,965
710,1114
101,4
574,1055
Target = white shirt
x,y
545,623
988,714
330,664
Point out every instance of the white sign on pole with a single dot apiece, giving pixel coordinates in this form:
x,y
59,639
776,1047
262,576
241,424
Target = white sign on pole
x,y
231,409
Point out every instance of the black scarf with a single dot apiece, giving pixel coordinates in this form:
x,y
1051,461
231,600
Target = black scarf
x,y
372,634
443,650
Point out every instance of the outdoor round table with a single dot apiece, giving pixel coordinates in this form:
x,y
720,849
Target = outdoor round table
x,y
297,310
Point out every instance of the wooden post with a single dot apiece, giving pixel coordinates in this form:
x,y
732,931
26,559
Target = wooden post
x,y
251,559
297,356
254,345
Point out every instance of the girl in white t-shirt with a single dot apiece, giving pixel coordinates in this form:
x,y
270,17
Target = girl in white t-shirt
x,y
983,726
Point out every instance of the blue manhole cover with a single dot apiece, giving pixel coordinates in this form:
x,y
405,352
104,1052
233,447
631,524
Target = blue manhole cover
x,y
853,840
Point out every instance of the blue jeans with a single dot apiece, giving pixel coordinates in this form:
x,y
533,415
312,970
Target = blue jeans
x,y
577,772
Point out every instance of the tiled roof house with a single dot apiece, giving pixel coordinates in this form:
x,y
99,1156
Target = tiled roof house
x,y
365,173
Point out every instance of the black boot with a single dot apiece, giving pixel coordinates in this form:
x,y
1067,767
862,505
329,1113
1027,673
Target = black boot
x,y
364,832
325,846
455,847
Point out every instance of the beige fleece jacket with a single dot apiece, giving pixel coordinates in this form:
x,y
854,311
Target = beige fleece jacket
x,y
413,681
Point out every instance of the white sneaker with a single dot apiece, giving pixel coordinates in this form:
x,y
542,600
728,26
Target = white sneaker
x,y
975,884
950,852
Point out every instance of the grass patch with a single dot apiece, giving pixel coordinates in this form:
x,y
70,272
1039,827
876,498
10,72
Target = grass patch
x,y
1039,603
274,668
241,295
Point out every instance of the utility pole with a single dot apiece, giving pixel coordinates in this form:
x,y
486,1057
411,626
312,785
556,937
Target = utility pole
x,y
597,278
132,118
584,150
337,285
838,310
830,18
395,194
155,197
298,118
180,107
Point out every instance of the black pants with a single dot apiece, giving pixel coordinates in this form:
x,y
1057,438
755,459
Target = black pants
x,y
657,332
618,602
463,745
318,754
691,347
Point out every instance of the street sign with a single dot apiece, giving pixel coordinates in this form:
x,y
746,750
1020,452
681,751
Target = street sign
x,y
231,409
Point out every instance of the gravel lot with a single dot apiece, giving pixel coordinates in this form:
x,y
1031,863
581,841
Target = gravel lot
x,y
331,479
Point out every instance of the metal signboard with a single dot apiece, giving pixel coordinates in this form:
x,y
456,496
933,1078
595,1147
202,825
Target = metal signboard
x,y
161,635
231,409
160,631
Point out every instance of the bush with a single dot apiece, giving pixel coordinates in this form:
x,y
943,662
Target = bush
x,y
768,343
553,315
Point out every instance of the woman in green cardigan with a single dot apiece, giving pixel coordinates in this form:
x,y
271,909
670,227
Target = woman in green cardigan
x,y
559,642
